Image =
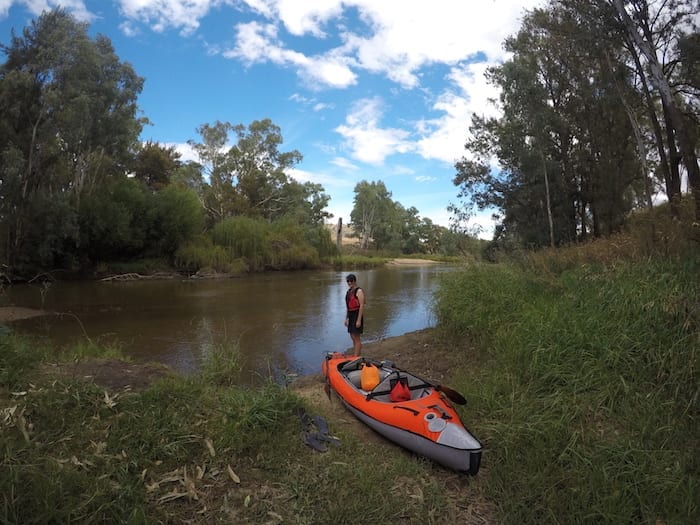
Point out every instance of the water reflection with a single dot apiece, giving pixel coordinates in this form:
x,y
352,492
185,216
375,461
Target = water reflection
x,y
281,321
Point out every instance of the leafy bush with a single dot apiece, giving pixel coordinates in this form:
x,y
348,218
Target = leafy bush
x,y
201,253
244,238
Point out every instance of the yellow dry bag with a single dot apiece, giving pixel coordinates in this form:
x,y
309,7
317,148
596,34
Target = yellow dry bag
x,y
369,377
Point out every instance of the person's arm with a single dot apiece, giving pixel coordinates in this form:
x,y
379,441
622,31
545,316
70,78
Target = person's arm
x,y
360,314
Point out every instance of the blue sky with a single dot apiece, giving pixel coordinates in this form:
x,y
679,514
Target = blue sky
x,y
363,89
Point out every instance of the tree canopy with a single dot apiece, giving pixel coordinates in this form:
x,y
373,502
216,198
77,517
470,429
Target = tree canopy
x,y
385,224
599,112
67,123
78,187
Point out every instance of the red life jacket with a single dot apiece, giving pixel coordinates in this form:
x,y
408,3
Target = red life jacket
x,y
351,300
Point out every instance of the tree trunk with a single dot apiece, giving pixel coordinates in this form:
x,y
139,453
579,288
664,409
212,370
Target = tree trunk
x,y
339,234
675,116
671,177
549,203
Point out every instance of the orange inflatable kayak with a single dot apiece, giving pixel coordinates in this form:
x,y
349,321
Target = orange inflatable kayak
x,y
415,414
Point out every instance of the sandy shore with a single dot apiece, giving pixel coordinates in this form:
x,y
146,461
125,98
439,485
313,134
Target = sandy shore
x,y
412,262
15,313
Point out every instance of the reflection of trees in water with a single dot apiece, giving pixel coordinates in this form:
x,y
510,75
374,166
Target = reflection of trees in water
x,y
401,300
278,320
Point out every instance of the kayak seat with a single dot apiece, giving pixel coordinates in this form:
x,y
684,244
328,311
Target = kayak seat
x,y
355,377
417,387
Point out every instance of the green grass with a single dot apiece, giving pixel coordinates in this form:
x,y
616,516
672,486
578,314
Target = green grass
x,y
352,262
581,380
188,449
587,396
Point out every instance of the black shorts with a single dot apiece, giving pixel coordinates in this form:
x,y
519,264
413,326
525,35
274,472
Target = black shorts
x,y
352,319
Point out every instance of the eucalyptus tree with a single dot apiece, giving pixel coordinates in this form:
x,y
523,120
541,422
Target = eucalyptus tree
x,y
261,169
656,32
304,203
251,177
67,124
658,43
431,235
155,164
371,212
413,233
217,191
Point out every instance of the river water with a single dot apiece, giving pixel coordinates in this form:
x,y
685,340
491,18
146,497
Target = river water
x,y
281,322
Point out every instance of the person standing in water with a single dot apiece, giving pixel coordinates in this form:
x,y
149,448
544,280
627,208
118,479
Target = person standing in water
x,y
355,316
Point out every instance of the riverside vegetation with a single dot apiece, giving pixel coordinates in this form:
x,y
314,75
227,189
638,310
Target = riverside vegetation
x,y
580,367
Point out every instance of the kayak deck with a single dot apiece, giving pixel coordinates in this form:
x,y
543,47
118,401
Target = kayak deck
x,y
426,424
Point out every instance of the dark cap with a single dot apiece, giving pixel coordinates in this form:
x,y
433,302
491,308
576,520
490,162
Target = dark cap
x,y
351,278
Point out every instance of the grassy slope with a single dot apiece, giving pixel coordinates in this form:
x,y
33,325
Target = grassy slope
x,y
588,386
585,396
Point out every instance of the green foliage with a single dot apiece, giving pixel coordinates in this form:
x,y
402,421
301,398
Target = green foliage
x,y
353,262
201,253
75,452
17,356
386,225
250,179
319,237
155,165
579,142
281,245
145,266
589,384
51,239
178,217
88,349
115,220
255,411
244,238
222,365
290,248
648,233
372,212
67,122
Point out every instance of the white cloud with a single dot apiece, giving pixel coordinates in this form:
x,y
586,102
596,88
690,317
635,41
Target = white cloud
x,y
443,138
259,43
399,38
162,15
317,178
75,7
315,105
366,141
320,106
300,18
395,40
344,164
185,150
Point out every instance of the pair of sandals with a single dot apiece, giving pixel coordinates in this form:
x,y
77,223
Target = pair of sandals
x,y
316,433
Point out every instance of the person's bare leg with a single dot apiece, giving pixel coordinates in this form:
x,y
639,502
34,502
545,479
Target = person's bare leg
x,y
356,344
